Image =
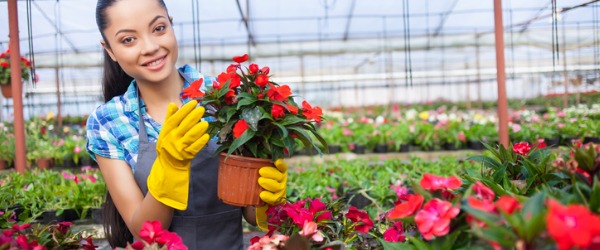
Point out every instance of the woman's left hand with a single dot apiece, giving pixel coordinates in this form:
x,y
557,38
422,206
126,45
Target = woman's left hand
x,y
273,180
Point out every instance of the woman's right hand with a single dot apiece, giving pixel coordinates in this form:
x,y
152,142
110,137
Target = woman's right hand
x,y
181,138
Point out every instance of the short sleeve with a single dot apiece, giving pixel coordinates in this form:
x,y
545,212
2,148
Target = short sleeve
x,y
100,141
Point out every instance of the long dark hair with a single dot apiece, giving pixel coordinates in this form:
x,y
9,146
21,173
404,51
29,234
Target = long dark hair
x,y
114,83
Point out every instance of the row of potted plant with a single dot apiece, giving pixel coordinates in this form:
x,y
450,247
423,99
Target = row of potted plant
x,y
46,145
436,130
523,197
45,195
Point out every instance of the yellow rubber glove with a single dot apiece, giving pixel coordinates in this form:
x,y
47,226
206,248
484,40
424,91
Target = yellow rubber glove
x,y
273,180
181,138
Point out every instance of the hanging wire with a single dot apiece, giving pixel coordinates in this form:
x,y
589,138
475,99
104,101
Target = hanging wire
x,y
30,43
512,43
407,49
196,34
555,48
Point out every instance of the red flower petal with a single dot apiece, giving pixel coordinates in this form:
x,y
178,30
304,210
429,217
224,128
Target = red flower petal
x,y
241,59
239,128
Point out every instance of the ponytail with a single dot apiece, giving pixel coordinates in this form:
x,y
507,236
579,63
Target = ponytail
x,y
114,80
115,230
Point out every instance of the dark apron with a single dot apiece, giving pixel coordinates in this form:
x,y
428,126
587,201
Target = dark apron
x,y
207,223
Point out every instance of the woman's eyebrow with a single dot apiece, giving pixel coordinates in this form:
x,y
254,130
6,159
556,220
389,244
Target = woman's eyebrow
x,y
151,22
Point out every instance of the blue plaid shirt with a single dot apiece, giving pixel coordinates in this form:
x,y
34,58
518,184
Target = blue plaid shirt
x,y
113,128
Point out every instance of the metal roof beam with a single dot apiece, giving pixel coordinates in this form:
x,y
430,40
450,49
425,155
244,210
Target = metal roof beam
x,y
73,47
445,15
245,18
346,33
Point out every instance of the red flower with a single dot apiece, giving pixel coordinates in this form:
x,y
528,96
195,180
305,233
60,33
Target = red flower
x,y
277,111
407,208
239,128
230,97
138,245
320,209
4,64
151,230
483,192
265,70
64,226
311,113
522,148
395,233
483,205
88,244
262,80
293,109
571,226
231,68
171,240
433,182
253,68
541,143
281,93
507,204
23,242
241,59
434,218
364,223
20,228
232,77
193,91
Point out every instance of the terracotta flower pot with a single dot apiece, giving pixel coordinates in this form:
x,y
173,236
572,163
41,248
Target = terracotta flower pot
x,y
43,163
6,91
238,180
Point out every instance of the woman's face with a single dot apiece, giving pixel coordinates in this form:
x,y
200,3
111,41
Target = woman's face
x,y
141,39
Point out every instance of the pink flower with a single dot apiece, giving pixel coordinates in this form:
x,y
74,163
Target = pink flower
x,y
151,230
516,128
77,150
507,204
64,226
434,218
432,182
395,233
310,230
522,148
346,132
561,114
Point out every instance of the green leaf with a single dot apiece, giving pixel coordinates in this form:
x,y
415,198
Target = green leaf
x,y
486,161
245,137
292,119
246,101
595,196
282,129
499,235
252,116
419,244
395,245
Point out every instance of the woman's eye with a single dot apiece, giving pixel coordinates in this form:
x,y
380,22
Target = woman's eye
x,y
127,40
160,28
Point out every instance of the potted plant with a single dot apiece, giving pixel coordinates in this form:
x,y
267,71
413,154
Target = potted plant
x,y
255,120
5,80
332,132
381,137
41,151
401,136
7,149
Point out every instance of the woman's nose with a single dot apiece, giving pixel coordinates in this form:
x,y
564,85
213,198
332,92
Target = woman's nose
x,y
150,45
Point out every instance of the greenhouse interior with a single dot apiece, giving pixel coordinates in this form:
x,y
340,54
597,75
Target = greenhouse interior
x,y
389,124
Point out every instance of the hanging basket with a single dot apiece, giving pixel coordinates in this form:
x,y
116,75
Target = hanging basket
x,y
6,90
238,180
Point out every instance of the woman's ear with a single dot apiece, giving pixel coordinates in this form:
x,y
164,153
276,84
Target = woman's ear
x,y
108,50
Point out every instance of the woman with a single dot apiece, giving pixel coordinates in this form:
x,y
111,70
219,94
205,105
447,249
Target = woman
x,y
156,158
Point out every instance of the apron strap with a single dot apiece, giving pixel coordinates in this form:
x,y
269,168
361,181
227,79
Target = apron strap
x,y
143,134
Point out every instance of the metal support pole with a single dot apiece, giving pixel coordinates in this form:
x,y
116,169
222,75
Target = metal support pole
x,y
58,101
17,86
501,73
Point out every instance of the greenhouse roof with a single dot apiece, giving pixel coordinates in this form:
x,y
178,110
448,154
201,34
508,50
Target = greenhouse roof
x,y
271,28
